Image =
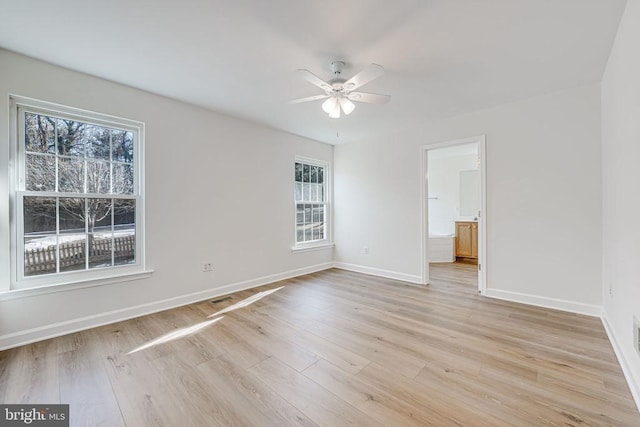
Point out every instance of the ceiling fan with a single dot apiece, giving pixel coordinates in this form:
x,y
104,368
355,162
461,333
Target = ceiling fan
x,y
339,92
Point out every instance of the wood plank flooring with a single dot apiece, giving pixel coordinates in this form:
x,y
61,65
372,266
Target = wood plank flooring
x,y
334,348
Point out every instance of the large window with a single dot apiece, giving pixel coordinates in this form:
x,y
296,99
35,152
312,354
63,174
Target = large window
x,y
78,198
311,195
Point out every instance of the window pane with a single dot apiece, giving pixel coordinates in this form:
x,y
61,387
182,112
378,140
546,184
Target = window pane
x,y
306,173
307,213
320,214
314,219
299,214
98,177
122,178
124,213
70,175
40,255
122,145
124,242
99,215
40,172
98,142
124,231
72,214
71,137
314,174
320,174
308,232
39,215
321,192
313,192
72,252
39,133
100,249
316,213
298,174
300,233
298,194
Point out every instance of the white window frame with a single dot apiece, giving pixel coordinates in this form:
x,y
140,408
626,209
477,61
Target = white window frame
x,y
326,242
79,278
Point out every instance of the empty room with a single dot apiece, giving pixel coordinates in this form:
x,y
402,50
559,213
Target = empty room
x,y
267,213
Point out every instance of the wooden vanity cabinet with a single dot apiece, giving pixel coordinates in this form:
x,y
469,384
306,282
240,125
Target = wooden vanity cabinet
x,y
467,239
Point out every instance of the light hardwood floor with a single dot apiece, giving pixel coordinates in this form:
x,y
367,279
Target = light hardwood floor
x,y
335,348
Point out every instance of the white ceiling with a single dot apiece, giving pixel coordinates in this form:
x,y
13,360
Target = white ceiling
x,y
442,57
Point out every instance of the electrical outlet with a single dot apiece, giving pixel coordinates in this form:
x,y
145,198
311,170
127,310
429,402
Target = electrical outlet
x,y
207,266
610,289
636,334
365,250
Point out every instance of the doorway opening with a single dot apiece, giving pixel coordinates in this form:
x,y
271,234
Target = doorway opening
x,y
454,211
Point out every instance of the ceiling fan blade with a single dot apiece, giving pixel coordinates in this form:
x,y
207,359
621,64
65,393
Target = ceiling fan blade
x,y
372,98
371,72
315,80
307,99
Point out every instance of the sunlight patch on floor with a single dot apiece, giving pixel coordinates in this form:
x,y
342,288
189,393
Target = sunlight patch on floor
x,y
185,332
247,301
180,333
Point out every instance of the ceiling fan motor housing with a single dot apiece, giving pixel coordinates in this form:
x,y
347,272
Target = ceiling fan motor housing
x,y
337,83
337,67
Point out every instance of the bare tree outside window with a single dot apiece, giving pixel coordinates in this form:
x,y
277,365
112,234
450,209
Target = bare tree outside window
x,y
76,212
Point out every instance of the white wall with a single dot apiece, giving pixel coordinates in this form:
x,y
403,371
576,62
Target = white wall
x,y
444,184
217,189
621,195
543,198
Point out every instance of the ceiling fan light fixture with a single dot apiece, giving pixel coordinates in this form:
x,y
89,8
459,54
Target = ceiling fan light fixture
x,y
330,104
335,113
347,106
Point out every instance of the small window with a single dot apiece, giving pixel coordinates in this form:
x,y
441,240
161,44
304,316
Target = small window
x,y
78,194
311,195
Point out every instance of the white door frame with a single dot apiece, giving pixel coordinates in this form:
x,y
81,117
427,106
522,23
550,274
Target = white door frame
x,y
482,219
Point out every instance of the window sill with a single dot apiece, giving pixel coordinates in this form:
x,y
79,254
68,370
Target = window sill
x,y
72,286
312,247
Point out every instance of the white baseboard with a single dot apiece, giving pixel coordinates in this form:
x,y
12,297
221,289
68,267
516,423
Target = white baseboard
x,y
633,385
554,303
62,328
379,272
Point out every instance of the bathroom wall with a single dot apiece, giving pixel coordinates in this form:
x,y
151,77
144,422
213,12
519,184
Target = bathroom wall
x,y
444,167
